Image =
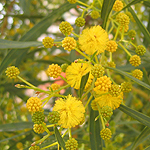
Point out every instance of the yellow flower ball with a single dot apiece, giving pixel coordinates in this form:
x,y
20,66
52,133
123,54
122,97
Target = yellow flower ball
x,y
71,111
69,43
135,60
111,46
118,5
54,70
102,84
93,39
75,72
34,104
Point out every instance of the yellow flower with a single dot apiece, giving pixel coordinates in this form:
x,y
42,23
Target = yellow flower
x,y
108,100
118,5
93,39
34,104
75,72
71,111
102,84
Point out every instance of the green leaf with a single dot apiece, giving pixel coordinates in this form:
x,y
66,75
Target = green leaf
x,y
143,135
59,138
131,3
25,4
16,126
15,136
140,25
35,32
146,3
83,83
5,44
136,115
95,139
147,148
131,77
106,9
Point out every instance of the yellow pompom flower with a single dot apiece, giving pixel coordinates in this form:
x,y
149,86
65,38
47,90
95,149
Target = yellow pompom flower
x,y
72,1
137,73
93,39
74,73
135,60
38,128
19,146
48,42
123,19
71,111
118,5
54,87
12,72
107,100
54,70
34,104
69,43
65,28
102,84
111,46
95,14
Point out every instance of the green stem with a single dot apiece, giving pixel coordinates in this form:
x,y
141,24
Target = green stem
x,y
102,120
116,33
51,125
45,127
82,3
41,140
108,73
132,44
125,49
26,82
92,86
96,59
63,78
110,56
75,34
32,86
82,54
70,135
122,35
88,101
63,87
50,145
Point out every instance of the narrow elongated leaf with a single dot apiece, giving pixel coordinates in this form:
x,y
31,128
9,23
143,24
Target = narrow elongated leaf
x,y
131,3
147,148
95,139
136,115
5,44
25,4
106,9
141,137
15,126
142,28
59,138
15,136
131,77
83,83
146,3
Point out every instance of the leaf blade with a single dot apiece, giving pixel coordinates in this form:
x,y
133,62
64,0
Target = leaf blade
x,y
136,115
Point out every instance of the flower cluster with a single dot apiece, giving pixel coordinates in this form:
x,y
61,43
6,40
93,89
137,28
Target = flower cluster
x,y
89,81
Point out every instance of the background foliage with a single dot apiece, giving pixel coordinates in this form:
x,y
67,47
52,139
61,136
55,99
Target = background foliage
x,y
24,23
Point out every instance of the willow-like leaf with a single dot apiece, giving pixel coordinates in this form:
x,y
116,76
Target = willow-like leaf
x,y
59,138
95,128
136,115
131,77
142,137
